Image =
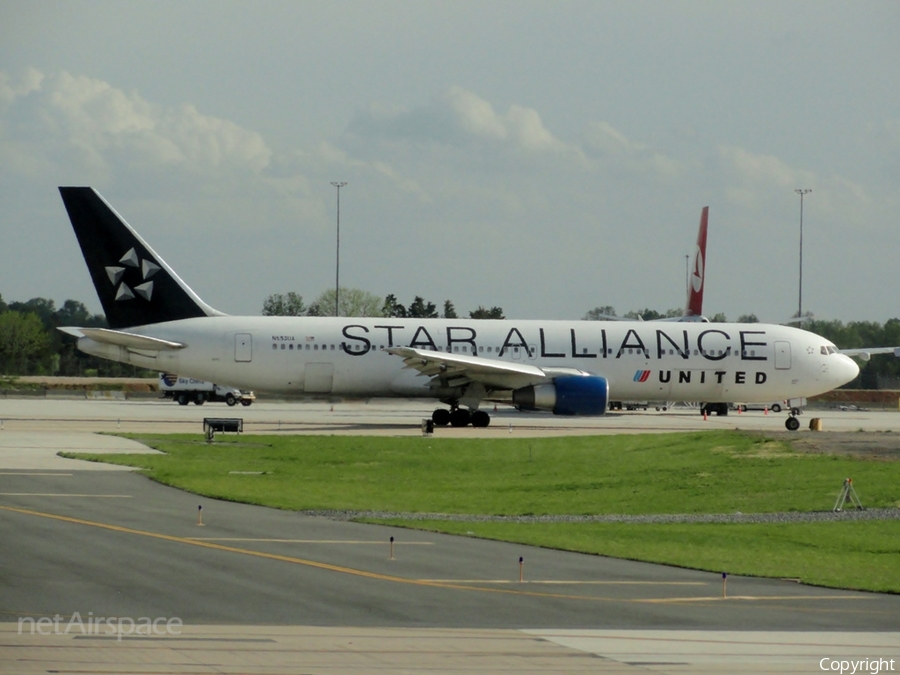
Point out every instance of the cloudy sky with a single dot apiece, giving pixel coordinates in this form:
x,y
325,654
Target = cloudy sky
x,y
546,157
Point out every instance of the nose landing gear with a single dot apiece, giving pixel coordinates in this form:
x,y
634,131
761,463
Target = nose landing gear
x,y
792,423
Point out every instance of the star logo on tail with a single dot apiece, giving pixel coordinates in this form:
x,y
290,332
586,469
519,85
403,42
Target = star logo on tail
x,y
129,267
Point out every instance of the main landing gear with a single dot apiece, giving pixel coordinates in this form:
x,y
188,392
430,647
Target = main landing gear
x,y
460,417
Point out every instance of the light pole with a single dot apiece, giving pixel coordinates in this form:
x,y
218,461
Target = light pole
x,y
337,267
801,192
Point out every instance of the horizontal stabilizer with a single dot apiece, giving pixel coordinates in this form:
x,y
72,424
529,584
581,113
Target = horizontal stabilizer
x,y
122,339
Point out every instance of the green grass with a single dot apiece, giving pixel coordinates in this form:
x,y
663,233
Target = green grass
x,y
862,555
719,472
706,472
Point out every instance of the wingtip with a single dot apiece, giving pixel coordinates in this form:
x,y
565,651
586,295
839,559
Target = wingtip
x,y
71,330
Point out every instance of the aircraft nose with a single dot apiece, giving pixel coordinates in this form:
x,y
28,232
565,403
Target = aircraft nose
x,y
847,370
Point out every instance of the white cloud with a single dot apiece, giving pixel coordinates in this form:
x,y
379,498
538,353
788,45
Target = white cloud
x,y
104,126
487,190
601,136
473,115
610,146
755,178
459,117
526,127
11,90
761,169
329,158
207,140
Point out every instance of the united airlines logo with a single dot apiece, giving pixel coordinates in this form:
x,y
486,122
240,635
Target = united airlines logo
x,y
641,376
130,267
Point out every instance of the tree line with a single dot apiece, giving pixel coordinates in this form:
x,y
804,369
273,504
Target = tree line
x,y
357,302
31,345
609,312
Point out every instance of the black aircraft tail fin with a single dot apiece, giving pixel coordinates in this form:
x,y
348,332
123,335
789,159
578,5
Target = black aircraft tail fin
x,y
136,287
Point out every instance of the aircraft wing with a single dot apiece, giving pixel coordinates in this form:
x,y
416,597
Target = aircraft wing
x,y
457,369
123,339
866,353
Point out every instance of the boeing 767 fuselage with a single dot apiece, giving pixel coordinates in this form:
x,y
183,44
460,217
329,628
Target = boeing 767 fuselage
x,y
565,367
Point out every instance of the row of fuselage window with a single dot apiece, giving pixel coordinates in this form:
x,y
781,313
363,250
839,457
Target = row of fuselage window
x,y
481,350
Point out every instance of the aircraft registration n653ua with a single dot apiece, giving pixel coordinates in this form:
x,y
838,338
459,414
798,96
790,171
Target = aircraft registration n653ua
x,y
565,367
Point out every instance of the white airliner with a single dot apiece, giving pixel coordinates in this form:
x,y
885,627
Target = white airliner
x,y
565,367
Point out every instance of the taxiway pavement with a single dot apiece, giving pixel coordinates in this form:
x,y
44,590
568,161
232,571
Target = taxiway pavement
x,y
113,543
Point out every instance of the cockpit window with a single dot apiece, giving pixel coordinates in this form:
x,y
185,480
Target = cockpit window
x,y
825,350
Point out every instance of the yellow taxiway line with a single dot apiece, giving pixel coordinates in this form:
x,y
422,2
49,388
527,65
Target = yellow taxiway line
x,y
33,473
315,541
61,494
464,585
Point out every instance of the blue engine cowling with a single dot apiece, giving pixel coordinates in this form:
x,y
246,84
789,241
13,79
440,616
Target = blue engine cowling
x,y
566,395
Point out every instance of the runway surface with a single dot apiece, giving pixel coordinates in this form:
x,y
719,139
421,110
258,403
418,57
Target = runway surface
x,y
389,416
81,540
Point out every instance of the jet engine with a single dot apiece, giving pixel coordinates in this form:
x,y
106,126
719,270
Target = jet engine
x,y
566,395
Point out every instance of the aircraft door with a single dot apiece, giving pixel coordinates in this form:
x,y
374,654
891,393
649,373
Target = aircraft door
x,y
243,347
782,355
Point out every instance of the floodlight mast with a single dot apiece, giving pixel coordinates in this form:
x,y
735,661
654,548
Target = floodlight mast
x,y
801,192
337,266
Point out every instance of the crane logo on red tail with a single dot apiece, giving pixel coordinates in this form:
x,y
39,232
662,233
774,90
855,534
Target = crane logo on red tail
x,y
697,274
695,290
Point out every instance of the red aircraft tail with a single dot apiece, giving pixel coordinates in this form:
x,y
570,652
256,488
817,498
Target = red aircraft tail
x,y
698,271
